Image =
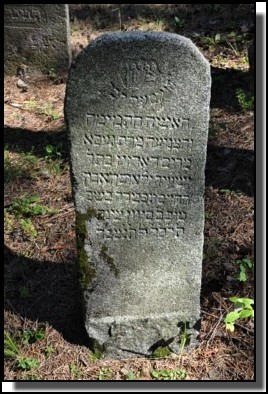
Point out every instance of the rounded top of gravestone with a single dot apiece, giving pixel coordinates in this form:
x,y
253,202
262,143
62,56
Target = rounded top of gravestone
x,y
145,38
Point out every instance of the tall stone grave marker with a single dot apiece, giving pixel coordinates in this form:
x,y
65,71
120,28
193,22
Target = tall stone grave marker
x,y
137,111
36,35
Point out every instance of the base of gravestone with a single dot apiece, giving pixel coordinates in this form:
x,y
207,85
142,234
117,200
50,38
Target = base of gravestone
x,y
132,337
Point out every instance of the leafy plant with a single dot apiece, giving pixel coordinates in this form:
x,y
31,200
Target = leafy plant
x,y
245,265
245,100
26,363
29,336
164,374
53,152
11,350
243,309
211,41
53,158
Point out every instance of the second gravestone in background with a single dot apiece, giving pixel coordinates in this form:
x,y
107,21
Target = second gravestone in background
x,y
137,111
38,36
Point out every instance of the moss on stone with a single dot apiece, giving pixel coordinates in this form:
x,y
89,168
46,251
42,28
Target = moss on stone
x,y
161,351
109,260
86,271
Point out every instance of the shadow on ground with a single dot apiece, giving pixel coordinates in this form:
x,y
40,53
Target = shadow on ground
x,y
47,292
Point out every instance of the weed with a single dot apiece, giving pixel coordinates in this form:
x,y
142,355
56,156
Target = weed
x,y
105,373
28,228
24,292
211,41
75,371
164,374
26,363
49,111
227,192
9,222
179,23
48,350
53,158
130,375
52,73
21,168
29,336
245,265
211,250
212,132
32,377
11,350
243,309
11,170
96,355
75,25
183,338
245,100
43,110
28,207
28,158
208,216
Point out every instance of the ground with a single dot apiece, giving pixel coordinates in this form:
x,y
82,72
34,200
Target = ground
x,y
45,337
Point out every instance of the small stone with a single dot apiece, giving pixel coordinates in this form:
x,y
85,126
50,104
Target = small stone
x,y
22,85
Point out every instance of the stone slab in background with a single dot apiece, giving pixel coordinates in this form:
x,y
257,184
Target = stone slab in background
x,y
38,36
137,112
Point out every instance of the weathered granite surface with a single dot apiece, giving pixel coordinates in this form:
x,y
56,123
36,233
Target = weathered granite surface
x,y
137,112
36,35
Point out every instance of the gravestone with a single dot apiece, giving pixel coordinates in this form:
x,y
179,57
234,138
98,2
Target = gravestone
x,y
137,112
38,36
